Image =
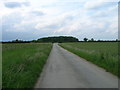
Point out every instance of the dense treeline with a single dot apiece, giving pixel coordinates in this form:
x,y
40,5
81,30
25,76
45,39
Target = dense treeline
x,y
17,41
59,39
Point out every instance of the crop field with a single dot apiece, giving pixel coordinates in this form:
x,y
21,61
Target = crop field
x,y
22,64
103,54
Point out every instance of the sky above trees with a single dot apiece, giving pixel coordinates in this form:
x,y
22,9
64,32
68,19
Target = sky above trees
x,y
33,19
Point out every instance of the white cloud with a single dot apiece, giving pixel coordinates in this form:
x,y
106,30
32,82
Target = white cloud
x,y
45,17
14,0
113,28
93,4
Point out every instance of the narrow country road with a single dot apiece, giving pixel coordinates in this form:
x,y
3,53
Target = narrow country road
x,y
66,70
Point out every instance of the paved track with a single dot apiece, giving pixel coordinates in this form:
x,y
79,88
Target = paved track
x,y
66,70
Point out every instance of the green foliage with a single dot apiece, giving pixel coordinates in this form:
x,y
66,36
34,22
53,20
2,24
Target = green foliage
x,y
91,40
19,41
103,54
23,63
85,39
59,39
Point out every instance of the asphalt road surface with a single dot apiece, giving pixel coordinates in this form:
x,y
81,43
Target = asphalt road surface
x,y
66,70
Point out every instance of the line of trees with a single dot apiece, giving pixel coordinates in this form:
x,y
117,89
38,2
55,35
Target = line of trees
x,y
56,39
17,41
92,40
60,39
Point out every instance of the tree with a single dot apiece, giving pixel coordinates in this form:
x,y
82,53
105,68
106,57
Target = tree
x,y
92,39
16,40
85,39
117,40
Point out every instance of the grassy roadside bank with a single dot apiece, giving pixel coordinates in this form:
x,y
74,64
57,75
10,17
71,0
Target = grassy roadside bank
x,y
23,63
103,54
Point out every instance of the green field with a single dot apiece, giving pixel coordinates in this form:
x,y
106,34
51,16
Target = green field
x,y
103,54
22,64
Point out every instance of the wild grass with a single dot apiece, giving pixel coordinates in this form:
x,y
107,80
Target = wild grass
x,y
103,54
23,63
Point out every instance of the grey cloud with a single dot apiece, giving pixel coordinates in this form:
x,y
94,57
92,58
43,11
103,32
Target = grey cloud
x,y
38,13
26,3
12,19
56,25
30,32
16,4
7,36
103,6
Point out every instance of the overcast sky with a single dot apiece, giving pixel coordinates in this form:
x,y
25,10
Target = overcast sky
x,y
33,19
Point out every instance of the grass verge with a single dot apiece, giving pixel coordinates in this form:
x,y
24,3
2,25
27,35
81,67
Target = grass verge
x,y
103,54
23,63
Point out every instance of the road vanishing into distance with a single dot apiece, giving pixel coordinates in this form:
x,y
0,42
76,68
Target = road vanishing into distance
x,y
66,70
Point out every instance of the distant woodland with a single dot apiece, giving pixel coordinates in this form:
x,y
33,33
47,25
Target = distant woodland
x,y
59,39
